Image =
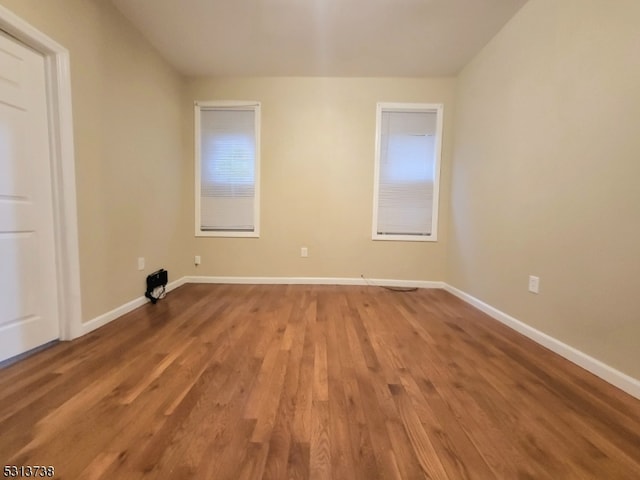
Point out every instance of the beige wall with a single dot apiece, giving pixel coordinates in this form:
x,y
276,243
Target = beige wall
x,y
545,175
543,170
128,146
318,138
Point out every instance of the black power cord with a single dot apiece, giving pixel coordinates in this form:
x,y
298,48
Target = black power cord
x,y
391,289
162,294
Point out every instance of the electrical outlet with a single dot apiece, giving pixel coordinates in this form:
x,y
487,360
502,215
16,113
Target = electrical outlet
x,y
534,284
304,252
140,263
197,260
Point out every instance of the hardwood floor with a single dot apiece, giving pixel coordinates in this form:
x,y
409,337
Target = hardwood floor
x,y
288,382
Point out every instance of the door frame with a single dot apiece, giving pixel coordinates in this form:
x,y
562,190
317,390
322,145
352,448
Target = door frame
x,y
63,181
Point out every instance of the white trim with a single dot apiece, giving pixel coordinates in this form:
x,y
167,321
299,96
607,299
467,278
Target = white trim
x,y
438,108
228,104
316,281
598,368
58,79
197,165
605,372
111,315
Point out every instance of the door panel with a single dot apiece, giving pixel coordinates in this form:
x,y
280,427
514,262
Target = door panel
x,y
28,287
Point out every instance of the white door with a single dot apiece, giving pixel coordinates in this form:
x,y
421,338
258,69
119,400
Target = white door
x,y
28,287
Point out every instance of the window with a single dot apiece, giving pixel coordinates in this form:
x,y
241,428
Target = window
x,y
407,171
227,169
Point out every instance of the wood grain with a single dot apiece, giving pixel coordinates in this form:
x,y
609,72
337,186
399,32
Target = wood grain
x,y
312,382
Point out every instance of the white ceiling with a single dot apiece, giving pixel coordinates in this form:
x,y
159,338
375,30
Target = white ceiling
x,y
319,37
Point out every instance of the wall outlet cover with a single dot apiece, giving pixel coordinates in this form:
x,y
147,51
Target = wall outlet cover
x,y
534,284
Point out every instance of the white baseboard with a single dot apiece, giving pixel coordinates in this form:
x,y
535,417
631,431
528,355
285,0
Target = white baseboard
x,y
607,373
316,281
105,318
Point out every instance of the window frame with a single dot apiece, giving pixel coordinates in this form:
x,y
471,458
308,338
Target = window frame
x,y
226,104
381,107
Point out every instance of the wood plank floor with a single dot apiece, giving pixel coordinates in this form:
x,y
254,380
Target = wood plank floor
x,y
287,382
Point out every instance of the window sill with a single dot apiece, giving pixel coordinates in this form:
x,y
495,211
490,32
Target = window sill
x,y
405,238
227,234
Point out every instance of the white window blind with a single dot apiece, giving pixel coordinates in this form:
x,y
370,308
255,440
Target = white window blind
x,y
228,169
406,173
